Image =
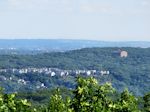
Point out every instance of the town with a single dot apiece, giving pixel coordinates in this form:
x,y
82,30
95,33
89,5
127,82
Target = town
x,y
15,75
55,71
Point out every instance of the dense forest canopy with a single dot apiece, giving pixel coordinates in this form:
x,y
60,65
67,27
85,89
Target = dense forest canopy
x,y
78,59
132,72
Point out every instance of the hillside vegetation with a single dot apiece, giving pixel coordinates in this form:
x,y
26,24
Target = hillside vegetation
x,y
132,72
88,96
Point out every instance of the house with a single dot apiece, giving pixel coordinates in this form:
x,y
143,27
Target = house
x,y
88,73
62,74
2,78
53,74
21,71
43,85
22,81
107,72
104,72
67,73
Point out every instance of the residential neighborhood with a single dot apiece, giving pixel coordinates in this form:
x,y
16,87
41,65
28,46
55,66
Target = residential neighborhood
x,y
19,75
55,71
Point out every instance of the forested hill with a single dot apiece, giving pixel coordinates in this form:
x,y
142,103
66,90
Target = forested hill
x,y
87,58
132,72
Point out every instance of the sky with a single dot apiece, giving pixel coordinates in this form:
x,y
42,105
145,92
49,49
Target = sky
x,y
108,20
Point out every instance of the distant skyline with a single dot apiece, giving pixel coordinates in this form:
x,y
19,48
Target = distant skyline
x,y
105,20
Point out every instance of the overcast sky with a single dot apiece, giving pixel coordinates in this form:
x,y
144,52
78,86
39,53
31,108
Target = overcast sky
x,y
113,20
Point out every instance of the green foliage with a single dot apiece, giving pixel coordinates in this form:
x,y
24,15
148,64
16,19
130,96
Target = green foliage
x,y
126,103
88,96
58,104
147,102
8,103
131,72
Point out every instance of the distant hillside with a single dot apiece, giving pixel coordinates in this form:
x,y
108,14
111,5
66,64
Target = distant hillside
x,y
62,45
132,72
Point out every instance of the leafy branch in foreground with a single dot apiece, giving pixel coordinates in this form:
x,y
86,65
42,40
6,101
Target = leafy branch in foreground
x,y
8,103
88,96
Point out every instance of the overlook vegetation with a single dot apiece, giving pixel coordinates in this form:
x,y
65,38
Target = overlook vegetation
x,y
132,72
88,96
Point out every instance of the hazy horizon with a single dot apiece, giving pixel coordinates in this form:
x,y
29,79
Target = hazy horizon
x,y
73,39
103,20
59,39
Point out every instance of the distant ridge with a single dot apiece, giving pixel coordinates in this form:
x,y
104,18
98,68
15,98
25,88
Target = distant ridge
x,y
65,44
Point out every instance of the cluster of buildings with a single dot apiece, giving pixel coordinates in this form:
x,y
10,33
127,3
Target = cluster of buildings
x,y
55,71
52,72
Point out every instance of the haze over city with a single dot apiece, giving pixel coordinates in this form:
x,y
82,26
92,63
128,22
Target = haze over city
x,y
117,20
